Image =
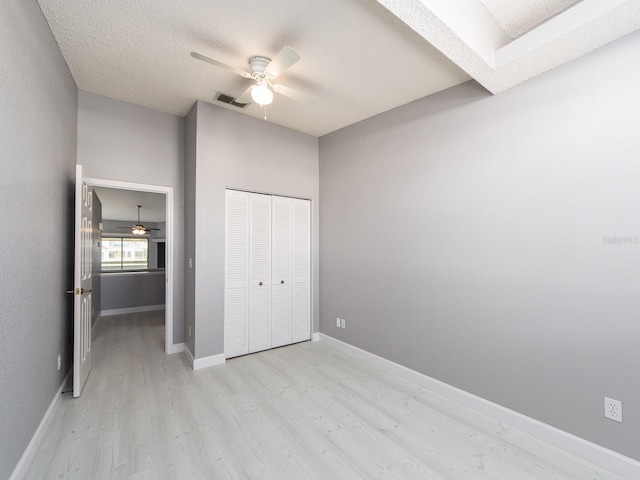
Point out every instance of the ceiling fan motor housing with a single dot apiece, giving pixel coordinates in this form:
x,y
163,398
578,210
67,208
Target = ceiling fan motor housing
x,y
258,65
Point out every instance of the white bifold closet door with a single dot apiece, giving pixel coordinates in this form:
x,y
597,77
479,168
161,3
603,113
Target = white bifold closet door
x,y
301,270
282,213
260,272
268,272
236,294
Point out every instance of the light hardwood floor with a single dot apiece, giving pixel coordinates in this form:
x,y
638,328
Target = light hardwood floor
x,y
306,411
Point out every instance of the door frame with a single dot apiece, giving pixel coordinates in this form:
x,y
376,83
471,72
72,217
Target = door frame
x,y
169,347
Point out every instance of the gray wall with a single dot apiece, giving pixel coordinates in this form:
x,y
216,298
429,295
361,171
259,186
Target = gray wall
x,y
233,150
132,290
124,142
491,242
38,99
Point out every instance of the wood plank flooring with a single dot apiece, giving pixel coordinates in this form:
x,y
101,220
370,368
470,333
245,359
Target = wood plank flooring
x,y
307,411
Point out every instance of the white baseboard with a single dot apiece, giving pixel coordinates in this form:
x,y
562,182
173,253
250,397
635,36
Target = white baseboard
x,y
315,337
27,457
176,348
613,461
122,311
200,363
210,361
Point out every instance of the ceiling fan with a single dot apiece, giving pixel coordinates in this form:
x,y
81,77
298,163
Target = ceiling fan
x,y
138,228
264,71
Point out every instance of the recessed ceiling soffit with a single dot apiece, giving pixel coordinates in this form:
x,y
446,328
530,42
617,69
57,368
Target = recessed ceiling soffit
x,y
471,33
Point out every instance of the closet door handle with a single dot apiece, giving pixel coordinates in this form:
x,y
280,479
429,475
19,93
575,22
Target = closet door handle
x,y
79,291
260,284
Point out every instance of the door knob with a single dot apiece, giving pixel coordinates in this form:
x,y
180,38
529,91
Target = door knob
x,y
281,282
260,284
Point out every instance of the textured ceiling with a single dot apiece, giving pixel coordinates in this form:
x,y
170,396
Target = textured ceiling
x,y
358,57
518,17
121,205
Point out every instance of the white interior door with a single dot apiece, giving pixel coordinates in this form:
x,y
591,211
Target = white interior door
x,y
236,301
82,284
281,326
260,272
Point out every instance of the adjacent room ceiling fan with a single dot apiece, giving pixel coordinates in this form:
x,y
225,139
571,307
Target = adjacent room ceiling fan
x,y
138,228
264,71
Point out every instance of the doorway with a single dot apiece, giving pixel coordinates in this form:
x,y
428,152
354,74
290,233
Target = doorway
x,y
169,347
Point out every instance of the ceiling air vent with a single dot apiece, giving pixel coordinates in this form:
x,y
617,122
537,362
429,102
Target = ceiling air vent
x,y
224,98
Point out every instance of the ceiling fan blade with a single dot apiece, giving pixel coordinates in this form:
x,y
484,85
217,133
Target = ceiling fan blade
x,y
245,97
294,94
217,63
286,57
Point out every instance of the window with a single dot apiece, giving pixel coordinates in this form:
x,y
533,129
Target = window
x,y
125,253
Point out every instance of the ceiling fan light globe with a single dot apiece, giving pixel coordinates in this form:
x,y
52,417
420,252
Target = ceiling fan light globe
x,y
262,95
138,230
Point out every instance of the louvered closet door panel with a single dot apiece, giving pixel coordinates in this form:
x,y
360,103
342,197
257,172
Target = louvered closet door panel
x,y
301,270
236,301
281,248
260,272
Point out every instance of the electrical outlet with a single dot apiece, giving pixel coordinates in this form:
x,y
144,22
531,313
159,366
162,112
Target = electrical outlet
x,y
338,322
613,409
59,361
343,322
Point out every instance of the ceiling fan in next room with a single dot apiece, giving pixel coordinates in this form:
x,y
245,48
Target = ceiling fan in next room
x,y
138,228
263,72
